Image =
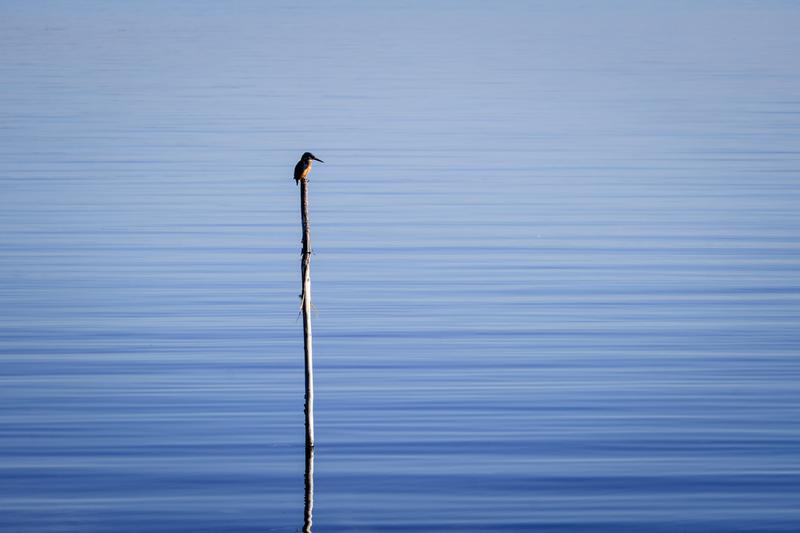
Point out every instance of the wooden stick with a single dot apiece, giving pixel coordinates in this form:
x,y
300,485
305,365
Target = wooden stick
x,y
305,270
308,508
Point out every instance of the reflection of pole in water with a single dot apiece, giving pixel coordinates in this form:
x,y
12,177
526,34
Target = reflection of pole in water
x,y
309,505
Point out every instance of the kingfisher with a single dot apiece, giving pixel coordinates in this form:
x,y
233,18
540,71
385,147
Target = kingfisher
x,y
303,167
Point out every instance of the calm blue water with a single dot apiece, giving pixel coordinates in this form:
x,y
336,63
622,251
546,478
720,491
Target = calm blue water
x,y
556,280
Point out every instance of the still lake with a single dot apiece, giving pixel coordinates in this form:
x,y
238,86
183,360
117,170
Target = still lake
x,y
556,274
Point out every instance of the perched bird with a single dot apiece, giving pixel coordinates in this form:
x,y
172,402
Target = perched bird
x,y
303,167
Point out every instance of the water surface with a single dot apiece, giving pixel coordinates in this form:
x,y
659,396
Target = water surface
x,y
555,273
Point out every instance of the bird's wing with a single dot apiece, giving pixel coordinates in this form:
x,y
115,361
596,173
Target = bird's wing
x,y
299,168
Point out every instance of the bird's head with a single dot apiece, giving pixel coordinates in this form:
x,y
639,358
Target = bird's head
x,y
309,155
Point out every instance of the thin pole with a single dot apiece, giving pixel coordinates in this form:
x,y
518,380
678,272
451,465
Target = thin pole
x,y
308,508
305,270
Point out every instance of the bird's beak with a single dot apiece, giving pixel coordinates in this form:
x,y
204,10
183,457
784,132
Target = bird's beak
x,y
316,159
